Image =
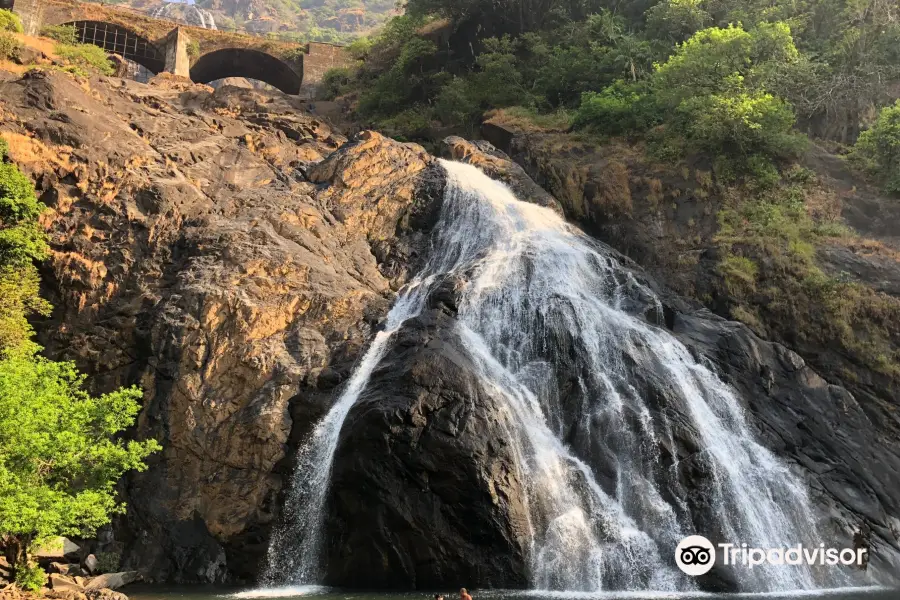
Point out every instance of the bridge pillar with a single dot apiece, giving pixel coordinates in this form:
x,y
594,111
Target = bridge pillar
x,y
177,60
31,13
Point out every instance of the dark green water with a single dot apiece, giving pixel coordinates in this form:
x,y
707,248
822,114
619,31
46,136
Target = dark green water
x,y
311,593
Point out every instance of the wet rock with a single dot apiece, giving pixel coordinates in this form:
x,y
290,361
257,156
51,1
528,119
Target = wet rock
x,y
424,487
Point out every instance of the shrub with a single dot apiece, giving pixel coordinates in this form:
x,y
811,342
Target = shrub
x,y
9,21
877,151
336,82
193,49
620,108
86,56
108,562
9,45
64,34
30,576
457,103
4,149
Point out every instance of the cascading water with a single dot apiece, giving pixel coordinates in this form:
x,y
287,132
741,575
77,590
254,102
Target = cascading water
x,y
190,13
543,304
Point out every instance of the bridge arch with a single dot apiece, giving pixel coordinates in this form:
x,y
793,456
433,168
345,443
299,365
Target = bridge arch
x,y
245,62
120,40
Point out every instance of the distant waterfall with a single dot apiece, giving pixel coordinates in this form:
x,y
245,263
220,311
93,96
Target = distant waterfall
x,y
190,14
541,299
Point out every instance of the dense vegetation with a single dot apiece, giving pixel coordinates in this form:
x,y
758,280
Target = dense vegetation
x,y
734,85
60,456
726,77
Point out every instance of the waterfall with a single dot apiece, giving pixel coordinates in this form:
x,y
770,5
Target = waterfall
x,y
192,15
543,303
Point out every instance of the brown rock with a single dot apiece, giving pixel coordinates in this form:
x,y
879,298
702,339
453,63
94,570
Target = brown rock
x,y
65,583
105,594
111,581
192,258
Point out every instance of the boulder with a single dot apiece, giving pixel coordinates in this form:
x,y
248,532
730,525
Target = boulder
x,y
105,594
59,547
69,569
65,594
61,582
90,564
112,581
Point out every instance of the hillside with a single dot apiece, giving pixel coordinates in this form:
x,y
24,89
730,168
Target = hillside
x,y
309,20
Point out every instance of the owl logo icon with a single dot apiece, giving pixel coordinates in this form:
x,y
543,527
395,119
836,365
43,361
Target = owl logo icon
x,y
695,555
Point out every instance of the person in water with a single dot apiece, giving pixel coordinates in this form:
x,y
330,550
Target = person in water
x,y
438,597
464,595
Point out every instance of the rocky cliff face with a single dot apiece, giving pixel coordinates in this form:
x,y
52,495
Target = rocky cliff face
x,y
233,255
198,253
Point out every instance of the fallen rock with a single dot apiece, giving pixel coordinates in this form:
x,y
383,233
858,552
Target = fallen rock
x,y
105,594
65,594
112,581
69,569
61,582
91,564
57,548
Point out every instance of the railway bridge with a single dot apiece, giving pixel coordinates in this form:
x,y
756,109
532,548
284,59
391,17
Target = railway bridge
x,y
203,55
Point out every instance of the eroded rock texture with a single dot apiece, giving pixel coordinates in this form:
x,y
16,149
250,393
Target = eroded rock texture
x,y
233,256
192,255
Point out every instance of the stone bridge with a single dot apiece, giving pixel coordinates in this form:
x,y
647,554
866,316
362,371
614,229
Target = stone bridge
x,y
204,55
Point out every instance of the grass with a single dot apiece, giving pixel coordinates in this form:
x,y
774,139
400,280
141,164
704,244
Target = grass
x,y
770,271
9,45
528,118
85,57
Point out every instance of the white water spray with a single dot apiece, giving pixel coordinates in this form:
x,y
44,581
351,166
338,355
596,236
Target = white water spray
x,y
544,309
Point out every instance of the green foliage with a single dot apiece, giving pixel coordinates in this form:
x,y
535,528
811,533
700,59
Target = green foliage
x,y
85,56
620,108
9,45
22,241
715,87
59,461
674,21
877,151
30,576
193,49
9,21
21,237
108,562
64,34
336,82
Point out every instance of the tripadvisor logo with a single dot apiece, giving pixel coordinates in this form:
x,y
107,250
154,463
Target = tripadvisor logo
x,y
696,555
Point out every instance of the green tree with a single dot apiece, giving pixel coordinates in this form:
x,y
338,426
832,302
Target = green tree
x,y
59,461
22,242
60,457
877,151
674,21
716,88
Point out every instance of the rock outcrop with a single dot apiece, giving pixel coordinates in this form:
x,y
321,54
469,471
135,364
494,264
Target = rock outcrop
x,y
194,256
233,256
